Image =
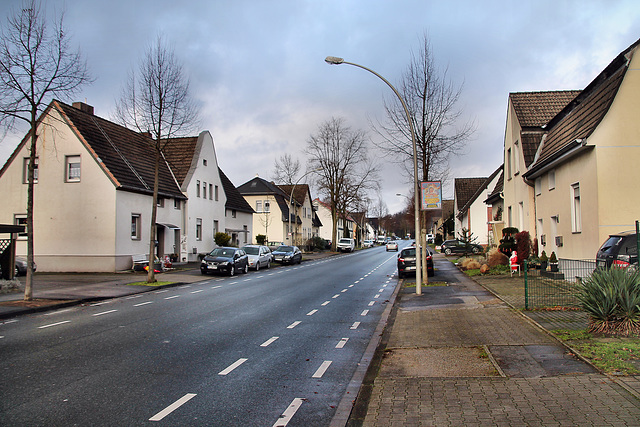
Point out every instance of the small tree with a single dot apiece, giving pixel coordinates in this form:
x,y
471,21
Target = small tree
x,y
523,246
467,237
222,239
261,238
508,241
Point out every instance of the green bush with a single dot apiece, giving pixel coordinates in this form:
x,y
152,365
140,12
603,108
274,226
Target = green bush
x,y
612,300
222,239
260,239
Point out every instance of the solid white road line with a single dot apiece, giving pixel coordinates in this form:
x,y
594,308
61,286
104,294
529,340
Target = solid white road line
x,y
322,369
355,325
268,342
294,324
289,413
342,342
143,303
312,312
104,312
175,405
233,366
54,324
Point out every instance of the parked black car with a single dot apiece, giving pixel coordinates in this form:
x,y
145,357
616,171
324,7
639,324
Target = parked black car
x,y
287,255
225,260
457,246
618,250
21,266
407,262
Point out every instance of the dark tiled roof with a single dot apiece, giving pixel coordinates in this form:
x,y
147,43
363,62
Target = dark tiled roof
x,y
465,188
259,187
179,153
299,192
127,156
234,198
535,109
530,143
316,220
495,194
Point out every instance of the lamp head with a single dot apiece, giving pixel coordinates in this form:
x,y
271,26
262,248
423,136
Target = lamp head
x,y
333,60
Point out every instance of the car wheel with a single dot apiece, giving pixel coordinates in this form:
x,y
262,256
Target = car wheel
x,y
258,266
232,270
447,251
400,275
204,273
268,264
246,269
476,250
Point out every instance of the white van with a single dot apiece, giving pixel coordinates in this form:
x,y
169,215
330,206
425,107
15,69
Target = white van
x,y
346,245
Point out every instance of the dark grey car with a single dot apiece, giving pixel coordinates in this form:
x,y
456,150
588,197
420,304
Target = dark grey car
x,y
225,260
618,250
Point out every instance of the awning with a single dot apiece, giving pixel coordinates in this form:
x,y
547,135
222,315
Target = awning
x,y
169,226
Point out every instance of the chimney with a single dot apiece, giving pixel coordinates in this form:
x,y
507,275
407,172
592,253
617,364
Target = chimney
x,y
83,107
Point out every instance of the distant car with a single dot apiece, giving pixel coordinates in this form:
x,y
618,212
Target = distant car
x,y
225,260
21,267
381,240
407,262
619,250
259,256
457,246
367,243
392,245
287,255
346,245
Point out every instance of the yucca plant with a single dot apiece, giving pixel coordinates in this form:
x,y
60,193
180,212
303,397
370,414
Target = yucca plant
x,y
611,297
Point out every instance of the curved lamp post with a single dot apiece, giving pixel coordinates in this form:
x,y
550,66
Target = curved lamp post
x,y
337,61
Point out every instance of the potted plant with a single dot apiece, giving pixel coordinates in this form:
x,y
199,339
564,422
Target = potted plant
x,y
543,261
533,262
553,262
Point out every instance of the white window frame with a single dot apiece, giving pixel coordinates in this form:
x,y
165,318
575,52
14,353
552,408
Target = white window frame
x,y
259,206
552,179
216,189
267,206
136,226
516,158
204,190
71,162
199,229
25,171
210,191
538,186
576,209
197,188
21,219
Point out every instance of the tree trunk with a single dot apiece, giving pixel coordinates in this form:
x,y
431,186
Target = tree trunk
x,y
28,288
151,277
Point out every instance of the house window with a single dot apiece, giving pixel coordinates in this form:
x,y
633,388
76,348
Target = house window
x,y
510,216
204,190
210,191
215,228
540,232
233,213
552,180
197,188
161,202
72,168
21,219
198,228
267,206
259,206
509,163
176,204
576,211
25,171
216,193
135,226
521,215
516,158
538,186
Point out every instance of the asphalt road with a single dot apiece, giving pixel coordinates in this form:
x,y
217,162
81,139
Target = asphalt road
x,y
275,347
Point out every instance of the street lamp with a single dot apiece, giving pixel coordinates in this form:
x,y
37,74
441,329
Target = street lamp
x,y
337,61
291,198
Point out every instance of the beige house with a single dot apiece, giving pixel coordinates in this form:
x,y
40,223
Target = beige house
x,y
93,193
571,160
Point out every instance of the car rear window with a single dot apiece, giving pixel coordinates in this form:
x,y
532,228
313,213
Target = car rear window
x,y
629,246
409,252
608,246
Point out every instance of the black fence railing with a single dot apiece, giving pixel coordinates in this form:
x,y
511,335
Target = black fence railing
x,y
555,286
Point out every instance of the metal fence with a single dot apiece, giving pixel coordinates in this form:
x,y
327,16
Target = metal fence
x,y
549,288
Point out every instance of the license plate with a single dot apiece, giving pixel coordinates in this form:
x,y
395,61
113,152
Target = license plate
x,y
213,267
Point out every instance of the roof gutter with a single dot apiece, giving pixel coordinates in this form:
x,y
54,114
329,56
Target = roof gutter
x,y
570,150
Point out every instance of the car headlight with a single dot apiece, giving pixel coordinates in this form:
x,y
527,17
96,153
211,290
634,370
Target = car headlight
x,y
287,256
224,263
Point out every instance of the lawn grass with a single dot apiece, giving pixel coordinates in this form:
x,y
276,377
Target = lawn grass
x,y
149,284
615,356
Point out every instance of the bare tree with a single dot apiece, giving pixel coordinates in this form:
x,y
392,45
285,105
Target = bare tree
x,y
339,158
286,170
36,64
432,103
156,100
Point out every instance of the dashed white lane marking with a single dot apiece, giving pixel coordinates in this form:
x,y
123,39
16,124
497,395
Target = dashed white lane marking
x,y
364,313
184,286
325,303
322,369
335,296
175,405
294,324
175,296
104,312
99,303
216,287
355,325
8,321
233,283
1,336
342,342
312,312
161,292
134,297
143,303
54,324
350,286
376,296
289,413
344,290
197,292
371,303
269,341
381,290
233,366
54,312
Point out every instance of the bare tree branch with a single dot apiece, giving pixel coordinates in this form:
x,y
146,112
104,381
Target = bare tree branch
x,y
286,170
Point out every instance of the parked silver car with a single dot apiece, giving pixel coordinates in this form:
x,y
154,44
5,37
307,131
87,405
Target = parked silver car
x,y
259,256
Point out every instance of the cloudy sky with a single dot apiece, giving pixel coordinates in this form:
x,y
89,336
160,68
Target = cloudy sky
x,y
257,67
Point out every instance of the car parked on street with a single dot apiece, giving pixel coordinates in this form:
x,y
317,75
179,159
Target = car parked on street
x,y
407,262
287,255
21,267
392,245
367,243
457,246
346,245
259,256
619,250
225,260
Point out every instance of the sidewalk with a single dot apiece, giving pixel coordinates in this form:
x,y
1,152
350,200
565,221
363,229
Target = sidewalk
x,y
459,355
